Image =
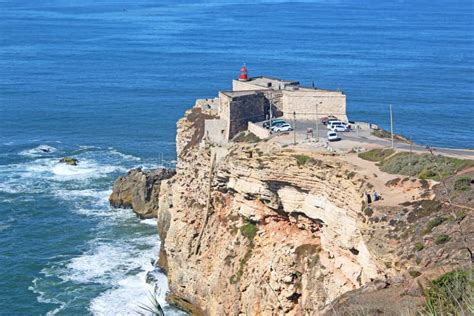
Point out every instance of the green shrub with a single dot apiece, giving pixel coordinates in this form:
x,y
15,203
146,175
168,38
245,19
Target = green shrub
x,y
246,137
434,222
414,273
441,239
301,160
451,294
368,211
424,166
463,183
249,231
419,246
376,154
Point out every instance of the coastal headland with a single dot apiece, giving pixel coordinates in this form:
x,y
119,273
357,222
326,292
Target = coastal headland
x,y
296,225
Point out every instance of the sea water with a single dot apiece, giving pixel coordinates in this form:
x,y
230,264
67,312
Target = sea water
x,y
105,82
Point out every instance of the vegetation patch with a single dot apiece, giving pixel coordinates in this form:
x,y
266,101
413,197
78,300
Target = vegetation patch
x,y
376,154
246,137
423,208
463,183
438,220
414,273
393,182
301,160
382,133
368,211
451,294
249,231
424,166
350,175
419,246
441,239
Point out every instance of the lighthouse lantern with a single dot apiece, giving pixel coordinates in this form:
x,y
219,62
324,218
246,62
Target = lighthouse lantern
x,y
243,73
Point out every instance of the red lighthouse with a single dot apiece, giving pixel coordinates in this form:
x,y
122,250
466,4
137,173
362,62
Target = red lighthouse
x,y
243,73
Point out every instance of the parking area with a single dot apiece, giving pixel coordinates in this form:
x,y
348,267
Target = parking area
x,y
316,134
311,137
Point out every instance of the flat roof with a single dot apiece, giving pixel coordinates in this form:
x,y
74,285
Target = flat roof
x,y
239,93
264,81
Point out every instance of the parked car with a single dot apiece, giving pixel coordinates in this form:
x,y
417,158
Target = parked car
x,y
339,128
327,119
332,137
275,122
331,123
282,128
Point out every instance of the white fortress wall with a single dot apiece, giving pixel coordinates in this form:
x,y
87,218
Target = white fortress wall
x,y
309,103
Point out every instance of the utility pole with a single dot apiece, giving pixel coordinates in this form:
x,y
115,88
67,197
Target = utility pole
x,y
391,124
317,124
294,128
410,149
271,113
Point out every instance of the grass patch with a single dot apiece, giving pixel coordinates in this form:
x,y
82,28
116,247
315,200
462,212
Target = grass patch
x,y
376,154
249,231
434,222
441,239
301,160
463,183
382,133
246,137
419,246
424,166
451,294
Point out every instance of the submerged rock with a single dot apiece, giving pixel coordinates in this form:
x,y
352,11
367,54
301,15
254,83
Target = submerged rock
x,y
139,190
69,161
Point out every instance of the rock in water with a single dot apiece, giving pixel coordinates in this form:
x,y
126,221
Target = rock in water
x,y
69,161
139,190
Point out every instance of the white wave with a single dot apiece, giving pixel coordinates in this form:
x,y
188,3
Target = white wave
x,y
53,169
149,221
126,298
41,298
38,151
107,263
124,156
95,197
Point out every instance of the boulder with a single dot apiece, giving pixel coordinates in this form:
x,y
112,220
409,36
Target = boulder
x,y
139,190
69,161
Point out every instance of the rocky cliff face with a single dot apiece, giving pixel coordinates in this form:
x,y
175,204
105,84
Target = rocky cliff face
x,y
259,230
139,190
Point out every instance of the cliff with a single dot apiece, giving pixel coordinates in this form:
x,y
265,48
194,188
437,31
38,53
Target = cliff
x,y
260,229
139,190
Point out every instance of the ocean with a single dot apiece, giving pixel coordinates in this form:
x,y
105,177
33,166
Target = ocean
x,y
105,81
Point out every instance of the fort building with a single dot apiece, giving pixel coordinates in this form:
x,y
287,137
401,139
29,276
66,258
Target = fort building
x,y
256,99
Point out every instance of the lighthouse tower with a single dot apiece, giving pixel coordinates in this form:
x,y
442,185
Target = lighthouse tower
x,y
243,73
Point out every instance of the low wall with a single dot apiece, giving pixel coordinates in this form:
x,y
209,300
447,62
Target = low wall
x,y
258,131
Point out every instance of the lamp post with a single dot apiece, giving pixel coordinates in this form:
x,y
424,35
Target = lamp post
x,y
294,128
391,124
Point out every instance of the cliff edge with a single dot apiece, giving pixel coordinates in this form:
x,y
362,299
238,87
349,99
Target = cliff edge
x,y
261,229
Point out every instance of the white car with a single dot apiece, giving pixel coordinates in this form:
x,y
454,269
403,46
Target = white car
x,y
282,128
339,128
331,123
332,137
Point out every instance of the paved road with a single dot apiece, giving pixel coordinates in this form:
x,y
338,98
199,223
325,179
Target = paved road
x,y
364,136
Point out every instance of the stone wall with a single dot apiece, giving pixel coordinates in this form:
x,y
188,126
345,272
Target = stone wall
x,y
239,109
215,131
309,103
259,131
